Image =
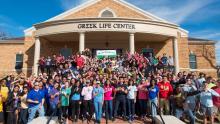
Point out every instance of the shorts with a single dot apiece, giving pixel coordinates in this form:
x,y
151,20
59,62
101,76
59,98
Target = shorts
x,y
208,111
1,117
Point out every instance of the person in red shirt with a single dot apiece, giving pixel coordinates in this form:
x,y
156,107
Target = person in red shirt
x,y
165,90
216,100
80,61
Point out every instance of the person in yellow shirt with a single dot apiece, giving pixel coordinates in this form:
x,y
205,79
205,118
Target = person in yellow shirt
x,y
1,108
4,90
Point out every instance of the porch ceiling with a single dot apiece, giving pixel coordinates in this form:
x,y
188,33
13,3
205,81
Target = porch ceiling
x,y
105,36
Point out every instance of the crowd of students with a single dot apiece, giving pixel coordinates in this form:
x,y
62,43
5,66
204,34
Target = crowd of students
x,y
86,88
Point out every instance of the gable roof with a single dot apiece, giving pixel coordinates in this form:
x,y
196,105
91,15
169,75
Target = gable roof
x,y
91,2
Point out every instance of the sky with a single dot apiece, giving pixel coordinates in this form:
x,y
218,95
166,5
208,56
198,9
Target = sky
x,y
200,17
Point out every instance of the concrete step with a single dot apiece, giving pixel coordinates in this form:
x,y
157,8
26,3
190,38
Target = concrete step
x,y
168,119
43,120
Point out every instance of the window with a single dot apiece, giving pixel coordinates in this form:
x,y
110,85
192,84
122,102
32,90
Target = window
x,y
19,61
192,61
107,13
66,52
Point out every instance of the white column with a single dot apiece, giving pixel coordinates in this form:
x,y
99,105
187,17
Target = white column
x,y
176,55
131,43
81,41
36,55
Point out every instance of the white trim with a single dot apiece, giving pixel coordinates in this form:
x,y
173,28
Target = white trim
x,y
75,9
107,9
184,68
203,70
183,32
29,31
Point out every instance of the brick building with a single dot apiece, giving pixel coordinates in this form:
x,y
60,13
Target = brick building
x,y
107,24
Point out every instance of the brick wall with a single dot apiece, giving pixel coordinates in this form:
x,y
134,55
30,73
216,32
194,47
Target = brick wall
x,y
205,55
8,57
94,10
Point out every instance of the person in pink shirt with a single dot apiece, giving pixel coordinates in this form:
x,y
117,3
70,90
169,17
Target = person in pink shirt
x,y
108,98
216,100
142,97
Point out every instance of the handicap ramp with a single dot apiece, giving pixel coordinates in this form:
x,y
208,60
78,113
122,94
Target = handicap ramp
x,y
168,119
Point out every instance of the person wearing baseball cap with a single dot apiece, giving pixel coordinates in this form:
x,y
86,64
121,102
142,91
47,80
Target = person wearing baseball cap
x,y
98,95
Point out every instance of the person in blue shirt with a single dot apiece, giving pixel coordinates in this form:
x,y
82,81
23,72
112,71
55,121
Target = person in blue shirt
x,y
35,98
153,91
75,100
98,94
206,102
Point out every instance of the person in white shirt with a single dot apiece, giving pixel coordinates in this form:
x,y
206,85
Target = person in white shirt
x,y
131,97
87,101
206,102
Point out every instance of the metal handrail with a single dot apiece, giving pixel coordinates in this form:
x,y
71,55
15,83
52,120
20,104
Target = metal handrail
x,y
157,108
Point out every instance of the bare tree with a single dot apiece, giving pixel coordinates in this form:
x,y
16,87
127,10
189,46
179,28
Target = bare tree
x,y
3,35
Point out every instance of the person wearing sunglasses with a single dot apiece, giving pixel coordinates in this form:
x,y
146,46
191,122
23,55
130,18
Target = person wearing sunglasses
x,y
35,98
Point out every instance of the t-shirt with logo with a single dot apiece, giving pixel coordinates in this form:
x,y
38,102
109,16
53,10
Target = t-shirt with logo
x,y
165,89
131,92
142,94
152,92
87,92
108,92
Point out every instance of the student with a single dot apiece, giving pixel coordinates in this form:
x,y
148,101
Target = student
x,y
120,97
65,94
35,98
142,98
165,90
98,94
153,91
207,103
87,101
12,104
24,106
54,97
75,101
131,98
1,108
108,99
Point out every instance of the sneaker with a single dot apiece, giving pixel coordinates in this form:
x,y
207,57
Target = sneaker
x,y
113,119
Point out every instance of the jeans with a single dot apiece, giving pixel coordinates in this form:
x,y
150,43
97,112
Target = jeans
x,y
117,103
178,113
23,116
108,109
153,109
189,113
131,109
143,106
55,110
32,111
98,110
